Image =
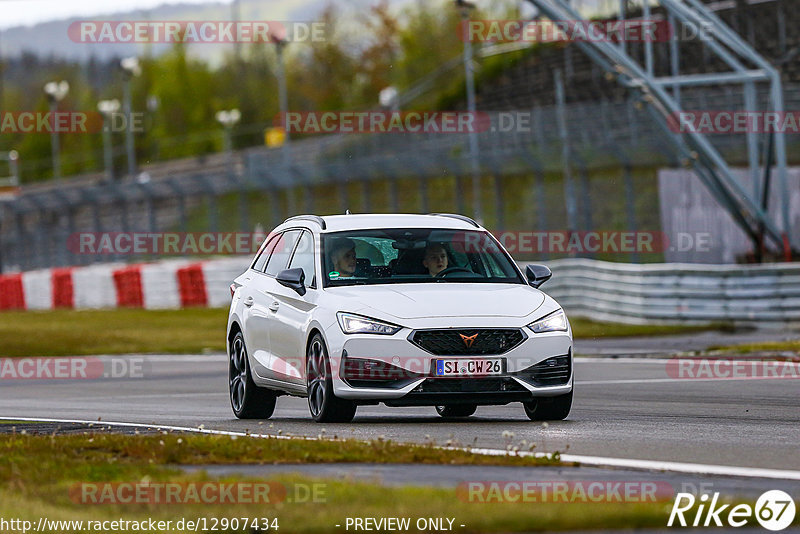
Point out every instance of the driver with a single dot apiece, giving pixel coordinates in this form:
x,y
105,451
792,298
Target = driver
x,y
435,258
343,256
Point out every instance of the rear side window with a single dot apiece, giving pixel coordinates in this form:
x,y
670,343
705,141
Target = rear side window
x,y
279,257
262,258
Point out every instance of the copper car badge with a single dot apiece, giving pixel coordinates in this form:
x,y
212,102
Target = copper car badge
x,y
468,340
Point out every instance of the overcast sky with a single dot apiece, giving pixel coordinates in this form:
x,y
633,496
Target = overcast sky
x,y
25,12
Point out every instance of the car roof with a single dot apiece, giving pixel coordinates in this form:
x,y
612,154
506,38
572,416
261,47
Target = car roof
x,y
338,223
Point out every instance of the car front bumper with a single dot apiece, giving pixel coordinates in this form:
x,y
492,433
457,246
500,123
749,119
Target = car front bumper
x,y
405,372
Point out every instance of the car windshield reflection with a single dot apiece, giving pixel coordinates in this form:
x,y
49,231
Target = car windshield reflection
x,y
414,255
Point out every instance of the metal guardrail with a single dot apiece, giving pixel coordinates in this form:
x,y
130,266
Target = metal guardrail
x,y
766,295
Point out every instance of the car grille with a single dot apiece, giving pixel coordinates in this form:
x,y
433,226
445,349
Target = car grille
x,y
451,342
553,371
469,385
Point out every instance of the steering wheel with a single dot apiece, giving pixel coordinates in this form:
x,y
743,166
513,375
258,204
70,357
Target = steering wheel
x,y
445,272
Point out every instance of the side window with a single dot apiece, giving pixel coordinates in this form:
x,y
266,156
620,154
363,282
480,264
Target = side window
x,y
304,258
262,258
279,258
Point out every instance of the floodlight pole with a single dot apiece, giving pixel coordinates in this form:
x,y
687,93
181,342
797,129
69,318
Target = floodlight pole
x,y
107,108
130,69
469,74
55,91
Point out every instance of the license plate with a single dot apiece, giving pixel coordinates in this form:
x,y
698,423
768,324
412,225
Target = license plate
x,y
465,367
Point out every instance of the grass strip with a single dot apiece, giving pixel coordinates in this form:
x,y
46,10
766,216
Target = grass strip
x,y
194,449
118,331
768,346
186,331
39,474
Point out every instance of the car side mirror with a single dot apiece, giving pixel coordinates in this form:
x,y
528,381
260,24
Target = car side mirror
x,y
538,274
293,279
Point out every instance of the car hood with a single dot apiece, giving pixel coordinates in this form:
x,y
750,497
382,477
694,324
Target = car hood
x,y
416,301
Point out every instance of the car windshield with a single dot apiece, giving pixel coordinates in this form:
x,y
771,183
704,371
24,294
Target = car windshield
x,y
414,255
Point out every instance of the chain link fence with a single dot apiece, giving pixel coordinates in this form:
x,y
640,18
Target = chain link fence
x,y
615,146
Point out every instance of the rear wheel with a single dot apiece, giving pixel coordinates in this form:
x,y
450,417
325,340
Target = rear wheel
x,y
457,410
324,406
549,408
247,400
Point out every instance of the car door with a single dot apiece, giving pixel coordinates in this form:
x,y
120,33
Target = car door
x,y
293,313
255,311
268,301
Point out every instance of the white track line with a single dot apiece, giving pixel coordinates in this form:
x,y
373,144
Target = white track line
x,y
599,461
662,361
679,380
621,359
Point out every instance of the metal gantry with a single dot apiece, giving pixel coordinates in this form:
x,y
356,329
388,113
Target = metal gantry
x,y
663,94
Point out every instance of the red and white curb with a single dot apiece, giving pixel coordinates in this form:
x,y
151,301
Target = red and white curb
x,y
161,285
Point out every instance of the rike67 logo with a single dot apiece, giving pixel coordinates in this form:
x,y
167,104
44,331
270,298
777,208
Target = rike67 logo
x,y
774,510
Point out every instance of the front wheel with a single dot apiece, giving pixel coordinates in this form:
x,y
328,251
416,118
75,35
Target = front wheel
x,y
247,400
457,410
324,406
549,408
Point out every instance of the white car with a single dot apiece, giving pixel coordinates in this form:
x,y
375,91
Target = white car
x,y
407,310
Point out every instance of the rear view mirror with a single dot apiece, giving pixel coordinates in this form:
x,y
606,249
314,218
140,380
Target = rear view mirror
x,y
293,279
408,244
538,274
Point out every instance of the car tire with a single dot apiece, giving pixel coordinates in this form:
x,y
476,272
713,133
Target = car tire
x,y
549,408
247,399
457,410
324,406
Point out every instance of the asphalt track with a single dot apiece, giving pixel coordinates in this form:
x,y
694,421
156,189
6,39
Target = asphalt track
x,y
624,408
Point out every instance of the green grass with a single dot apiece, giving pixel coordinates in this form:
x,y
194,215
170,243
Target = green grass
x,y
186,331
767,346
198,449
586,329
121,331
39,476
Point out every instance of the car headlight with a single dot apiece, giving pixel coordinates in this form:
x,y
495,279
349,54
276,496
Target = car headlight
x,y
358,324
554,322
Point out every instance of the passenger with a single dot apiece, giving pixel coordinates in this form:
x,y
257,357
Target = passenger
x,y
435,258
343,256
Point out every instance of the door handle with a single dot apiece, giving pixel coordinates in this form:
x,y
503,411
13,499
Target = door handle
x,y
248,301
274,306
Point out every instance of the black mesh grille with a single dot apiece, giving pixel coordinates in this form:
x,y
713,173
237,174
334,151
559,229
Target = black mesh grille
x,y
469,385
365,373
551,372
465,342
